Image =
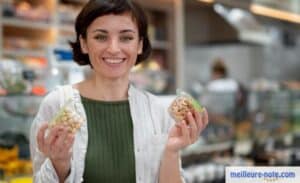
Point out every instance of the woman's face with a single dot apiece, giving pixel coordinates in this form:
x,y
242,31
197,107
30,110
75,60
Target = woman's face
x,y
112,43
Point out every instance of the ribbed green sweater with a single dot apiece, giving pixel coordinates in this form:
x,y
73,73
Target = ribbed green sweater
x,y
110,153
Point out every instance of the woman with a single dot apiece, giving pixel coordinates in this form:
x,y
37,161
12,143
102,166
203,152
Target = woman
x,y
126,135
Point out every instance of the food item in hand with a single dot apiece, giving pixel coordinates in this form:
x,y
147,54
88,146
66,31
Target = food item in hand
x,y
68,117
183,104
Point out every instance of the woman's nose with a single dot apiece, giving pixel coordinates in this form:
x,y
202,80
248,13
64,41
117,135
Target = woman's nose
x,y
113,46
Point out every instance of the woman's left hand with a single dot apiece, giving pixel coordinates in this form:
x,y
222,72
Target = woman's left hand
x,y
186,132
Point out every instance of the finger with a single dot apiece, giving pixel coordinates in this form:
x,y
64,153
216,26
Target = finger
x,y
59,144
58,148
205,117
65,152
53,134
185,132
198,119
177,124
41,137
192,127
69,141
199,122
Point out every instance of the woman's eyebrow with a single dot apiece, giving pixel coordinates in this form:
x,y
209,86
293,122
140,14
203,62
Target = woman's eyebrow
x,y
122,31
101,30
127,30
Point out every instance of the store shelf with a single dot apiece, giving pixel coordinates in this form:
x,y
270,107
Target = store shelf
x,y
58,29
197,149
67,28
163,45
20,53
15,22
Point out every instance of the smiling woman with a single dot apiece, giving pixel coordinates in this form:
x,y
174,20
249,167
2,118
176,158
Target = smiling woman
x,y
90,12
126,135
112,43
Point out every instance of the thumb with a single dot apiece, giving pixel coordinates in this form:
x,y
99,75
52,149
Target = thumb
x,y
41,136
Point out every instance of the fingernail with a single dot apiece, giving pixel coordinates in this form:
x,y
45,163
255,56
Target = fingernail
x,y
203,110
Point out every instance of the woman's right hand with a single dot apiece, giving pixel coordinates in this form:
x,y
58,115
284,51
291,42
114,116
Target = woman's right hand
x,y
57,147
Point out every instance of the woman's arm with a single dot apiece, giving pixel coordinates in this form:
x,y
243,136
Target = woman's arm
x,y
182,134
45,167
43,170
170,168
56,146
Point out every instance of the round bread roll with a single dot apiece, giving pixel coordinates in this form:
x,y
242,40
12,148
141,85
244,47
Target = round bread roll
x,y
181,106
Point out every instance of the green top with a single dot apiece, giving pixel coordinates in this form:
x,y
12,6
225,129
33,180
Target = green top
x,y
110,153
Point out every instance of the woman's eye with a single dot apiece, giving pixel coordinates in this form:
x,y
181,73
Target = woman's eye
x,y
126,38
101,37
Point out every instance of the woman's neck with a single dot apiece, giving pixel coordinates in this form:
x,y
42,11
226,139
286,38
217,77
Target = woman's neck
x,y
100,88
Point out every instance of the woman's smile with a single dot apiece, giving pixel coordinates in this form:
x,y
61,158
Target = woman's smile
x,y
113,60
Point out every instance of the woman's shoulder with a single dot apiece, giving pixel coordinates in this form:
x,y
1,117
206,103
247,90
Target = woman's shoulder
x,y
155,101
49,105
55,96
158,108
143,94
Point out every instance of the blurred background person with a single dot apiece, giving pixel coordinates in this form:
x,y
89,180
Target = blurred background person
x,y
220,82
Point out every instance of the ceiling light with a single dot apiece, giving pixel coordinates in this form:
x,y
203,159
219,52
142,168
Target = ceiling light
x,y
275,13
206,1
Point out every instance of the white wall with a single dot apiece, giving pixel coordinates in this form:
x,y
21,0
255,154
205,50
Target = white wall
x,y
245,62
240,60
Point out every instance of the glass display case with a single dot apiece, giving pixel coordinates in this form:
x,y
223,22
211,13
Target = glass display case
x,y
221,109
295,104
16,115
219,134
270,113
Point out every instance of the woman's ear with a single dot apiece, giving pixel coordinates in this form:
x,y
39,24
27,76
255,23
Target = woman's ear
x,y
83,45
140,47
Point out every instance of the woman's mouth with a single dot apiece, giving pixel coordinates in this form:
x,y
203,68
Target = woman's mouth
x,y
113,60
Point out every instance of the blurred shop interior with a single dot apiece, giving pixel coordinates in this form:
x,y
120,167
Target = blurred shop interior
x,y
256,41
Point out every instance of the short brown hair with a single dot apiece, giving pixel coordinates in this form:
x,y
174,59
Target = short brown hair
x,y
219,67
96,8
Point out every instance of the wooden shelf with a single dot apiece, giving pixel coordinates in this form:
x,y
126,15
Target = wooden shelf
x,y
67,28
23,52
197,149
16,22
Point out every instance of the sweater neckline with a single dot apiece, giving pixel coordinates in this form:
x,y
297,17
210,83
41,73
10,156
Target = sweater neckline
x,y
90,100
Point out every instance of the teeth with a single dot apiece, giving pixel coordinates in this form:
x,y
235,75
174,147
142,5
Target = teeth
x,y
113,61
